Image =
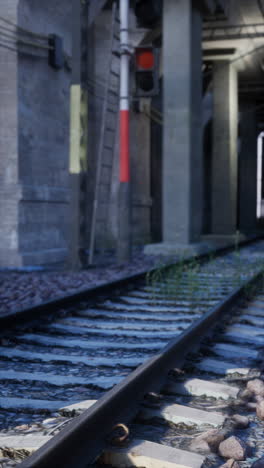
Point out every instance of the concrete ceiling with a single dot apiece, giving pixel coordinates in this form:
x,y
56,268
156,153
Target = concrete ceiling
x,y
226,36
246,42
244,46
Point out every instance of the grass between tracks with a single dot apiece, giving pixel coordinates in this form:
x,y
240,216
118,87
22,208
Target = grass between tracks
x,y
184,279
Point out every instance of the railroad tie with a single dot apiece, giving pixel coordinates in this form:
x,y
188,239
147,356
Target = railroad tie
x,y
150,455
200,387
180,414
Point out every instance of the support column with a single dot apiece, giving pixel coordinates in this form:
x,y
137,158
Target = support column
x,y
182,134
224,157
10,192
140,126
247,168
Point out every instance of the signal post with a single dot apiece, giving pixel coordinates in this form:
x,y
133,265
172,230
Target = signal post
x,y
147,85
124,231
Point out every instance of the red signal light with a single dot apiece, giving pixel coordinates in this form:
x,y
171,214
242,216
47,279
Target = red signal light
x,y
145,59
146,71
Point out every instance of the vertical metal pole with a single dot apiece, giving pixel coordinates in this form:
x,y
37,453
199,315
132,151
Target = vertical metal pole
x,y
78,132
259,174
74,160
124,237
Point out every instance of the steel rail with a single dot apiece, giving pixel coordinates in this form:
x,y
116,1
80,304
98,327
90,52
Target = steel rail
x,y
80,443
11,319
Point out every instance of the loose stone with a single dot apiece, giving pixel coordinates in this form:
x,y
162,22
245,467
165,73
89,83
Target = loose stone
x,y
256,387
200,446
245,394
260,410
240,422
258,463
251,406
234,448
258,398
213,438
231,463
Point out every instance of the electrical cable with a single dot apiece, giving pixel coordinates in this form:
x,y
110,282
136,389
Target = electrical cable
x,y
5,34
9,42
156,111
13,46
5,46
15,33
24,30
10,31
23,41
20,36
151,117
34,44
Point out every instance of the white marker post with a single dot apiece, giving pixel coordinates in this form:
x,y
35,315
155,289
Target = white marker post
x,y
124,236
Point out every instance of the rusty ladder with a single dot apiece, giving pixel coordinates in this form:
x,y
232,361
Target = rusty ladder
x,y
108,131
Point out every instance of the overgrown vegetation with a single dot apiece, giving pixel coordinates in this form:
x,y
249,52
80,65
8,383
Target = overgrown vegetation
x,y
198,283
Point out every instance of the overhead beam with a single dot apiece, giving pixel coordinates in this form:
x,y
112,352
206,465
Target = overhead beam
x,y
210,55
232,37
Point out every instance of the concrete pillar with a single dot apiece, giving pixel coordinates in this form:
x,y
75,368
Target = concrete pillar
x,y
224,157
140,126
10,192
182,134
247,168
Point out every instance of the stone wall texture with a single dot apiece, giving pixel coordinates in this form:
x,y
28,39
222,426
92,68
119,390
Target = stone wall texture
x,y
34,140
43,137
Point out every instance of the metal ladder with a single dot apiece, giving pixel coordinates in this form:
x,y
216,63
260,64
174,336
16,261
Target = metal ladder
x,y
99,222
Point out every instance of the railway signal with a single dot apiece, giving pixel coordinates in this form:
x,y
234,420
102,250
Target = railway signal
x,y
146,71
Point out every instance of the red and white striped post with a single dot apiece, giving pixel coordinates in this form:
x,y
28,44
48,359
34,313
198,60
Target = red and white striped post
x,y
124,236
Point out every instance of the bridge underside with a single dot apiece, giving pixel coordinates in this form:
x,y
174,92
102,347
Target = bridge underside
x,y
209,177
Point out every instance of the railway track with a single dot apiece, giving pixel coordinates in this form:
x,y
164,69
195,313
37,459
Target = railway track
x,y
58,367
